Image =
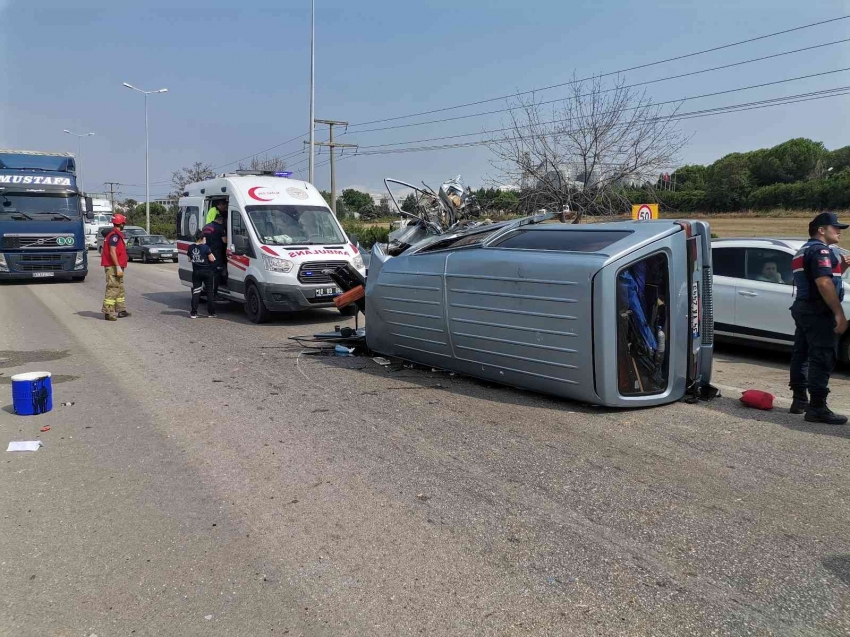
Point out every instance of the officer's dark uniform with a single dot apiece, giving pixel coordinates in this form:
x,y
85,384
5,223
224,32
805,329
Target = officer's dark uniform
x,y
215,233
203,276
815,339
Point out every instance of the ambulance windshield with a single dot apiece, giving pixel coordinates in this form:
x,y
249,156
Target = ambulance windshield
x,y
290,225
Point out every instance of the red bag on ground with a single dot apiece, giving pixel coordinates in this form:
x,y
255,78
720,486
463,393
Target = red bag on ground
x,y
757,399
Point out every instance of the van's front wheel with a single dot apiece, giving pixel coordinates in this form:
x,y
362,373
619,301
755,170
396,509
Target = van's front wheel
x,y
254,306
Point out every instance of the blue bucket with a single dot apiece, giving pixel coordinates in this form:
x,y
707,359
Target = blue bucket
x,y
32,393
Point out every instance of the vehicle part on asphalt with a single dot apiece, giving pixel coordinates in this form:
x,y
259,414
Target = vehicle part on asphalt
x,y
758,399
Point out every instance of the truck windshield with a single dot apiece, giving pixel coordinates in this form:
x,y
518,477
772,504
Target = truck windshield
x,y
291,225
37,204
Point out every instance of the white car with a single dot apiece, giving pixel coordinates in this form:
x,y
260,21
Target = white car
x,y
753,291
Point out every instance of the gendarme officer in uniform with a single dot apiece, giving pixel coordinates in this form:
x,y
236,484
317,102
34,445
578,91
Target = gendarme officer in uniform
x,y
819,318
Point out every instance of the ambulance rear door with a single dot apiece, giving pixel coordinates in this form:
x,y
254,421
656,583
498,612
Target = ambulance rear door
x,y
189,221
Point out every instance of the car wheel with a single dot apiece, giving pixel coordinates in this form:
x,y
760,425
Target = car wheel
x,y
254,306
349,310
844,349
175,260
78,279
145,258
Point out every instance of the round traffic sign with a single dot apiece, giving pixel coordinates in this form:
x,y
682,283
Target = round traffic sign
x,y
644,213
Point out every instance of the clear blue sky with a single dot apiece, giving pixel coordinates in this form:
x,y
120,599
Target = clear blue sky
x,y
238,75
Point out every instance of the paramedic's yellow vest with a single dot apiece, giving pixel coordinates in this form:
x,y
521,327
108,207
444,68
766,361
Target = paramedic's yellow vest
x,y
211,213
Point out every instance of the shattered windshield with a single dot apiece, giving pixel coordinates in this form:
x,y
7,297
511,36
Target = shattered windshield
x,y
36,204
291,225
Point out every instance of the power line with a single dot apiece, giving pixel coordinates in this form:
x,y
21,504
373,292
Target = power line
x,y
652,105
632,68
720,110
561,99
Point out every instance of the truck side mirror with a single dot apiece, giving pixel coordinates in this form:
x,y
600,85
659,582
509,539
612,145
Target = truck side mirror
x,y
89,205
353,239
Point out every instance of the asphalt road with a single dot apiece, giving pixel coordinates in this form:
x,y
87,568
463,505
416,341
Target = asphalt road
x,y
211,478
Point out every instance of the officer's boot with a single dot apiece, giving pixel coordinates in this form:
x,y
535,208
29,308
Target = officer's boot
x,y
819,412
800,403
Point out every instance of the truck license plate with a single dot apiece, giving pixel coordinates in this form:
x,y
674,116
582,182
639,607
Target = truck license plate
x,y
327,291
40,274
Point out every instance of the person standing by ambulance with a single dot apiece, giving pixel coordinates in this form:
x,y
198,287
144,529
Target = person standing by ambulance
x,y
819,318
203,275
114,260
216,236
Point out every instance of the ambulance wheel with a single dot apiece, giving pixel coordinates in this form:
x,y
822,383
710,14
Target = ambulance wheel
x,y
349,310
254,306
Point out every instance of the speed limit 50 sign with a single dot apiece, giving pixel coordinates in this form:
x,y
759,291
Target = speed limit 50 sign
x,y
645,211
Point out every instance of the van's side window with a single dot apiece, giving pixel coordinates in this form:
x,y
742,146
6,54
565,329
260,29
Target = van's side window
x,y
239,234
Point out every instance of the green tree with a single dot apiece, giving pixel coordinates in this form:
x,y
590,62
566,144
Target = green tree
x,y
794,160
504,202
159,214
355,200
189,175
689,177
409,203
838,159
729,182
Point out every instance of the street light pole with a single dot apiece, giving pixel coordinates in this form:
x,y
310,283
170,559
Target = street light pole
x,y
312,85
79,137
147,172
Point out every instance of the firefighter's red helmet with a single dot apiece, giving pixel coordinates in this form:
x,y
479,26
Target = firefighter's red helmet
x,y
119,220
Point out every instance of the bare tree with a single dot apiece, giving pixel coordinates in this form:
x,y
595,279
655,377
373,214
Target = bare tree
x,y
583,151
265,162
180,178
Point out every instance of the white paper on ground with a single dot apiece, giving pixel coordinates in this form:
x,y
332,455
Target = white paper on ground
x,y
24,445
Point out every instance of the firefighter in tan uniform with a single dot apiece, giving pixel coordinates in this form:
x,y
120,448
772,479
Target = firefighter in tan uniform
x,y
114,260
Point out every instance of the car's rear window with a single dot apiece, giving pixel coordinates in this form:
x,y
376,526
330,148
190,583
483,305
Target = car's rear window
x,y
561,240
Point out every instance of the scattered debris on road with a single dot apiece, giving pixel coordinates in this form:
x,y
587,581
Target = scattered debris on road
x,y
24,445
383,362
45,428
758,399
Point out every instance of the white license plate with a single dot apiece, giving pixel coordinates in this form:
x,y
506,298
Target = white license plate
x,y
327,291
40,274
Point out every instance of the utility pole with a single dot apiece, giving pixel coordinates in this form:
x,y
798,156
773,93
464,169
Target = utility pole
x,y
332,145
112,191
312,86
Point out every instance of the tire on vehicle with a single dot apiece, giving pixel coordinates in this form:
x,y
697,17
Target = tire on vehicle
x,y
254,307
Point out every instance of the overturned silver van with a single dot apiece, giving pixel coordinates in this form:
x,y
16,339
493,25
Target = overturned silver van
x,y
615,314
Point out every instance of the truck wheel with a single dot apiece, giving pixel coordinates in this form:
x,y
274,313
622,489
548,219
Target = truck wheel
x,y
254,306
349,310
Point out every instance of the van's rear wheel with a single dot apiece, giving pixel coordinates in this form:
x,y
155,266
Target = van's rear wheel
x,y
254,306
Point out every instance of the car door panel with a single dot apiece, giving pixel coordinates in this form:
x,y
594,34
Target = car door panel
x,y
763,307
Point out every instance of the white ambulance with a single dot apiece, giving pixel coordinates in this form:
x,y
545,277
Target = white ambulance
x,y
281,236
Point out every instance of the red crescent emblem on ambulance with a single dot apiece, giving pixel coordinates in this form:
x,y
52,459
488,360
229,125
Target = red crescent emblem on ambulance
x,y
252,192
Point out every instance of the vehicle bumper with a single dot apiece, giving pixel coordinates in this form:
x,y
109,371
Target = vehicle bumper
x,y
46,265
291,298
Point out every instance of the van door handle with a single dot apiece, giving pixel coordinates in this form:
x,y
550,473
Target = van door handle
x,y
747,293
